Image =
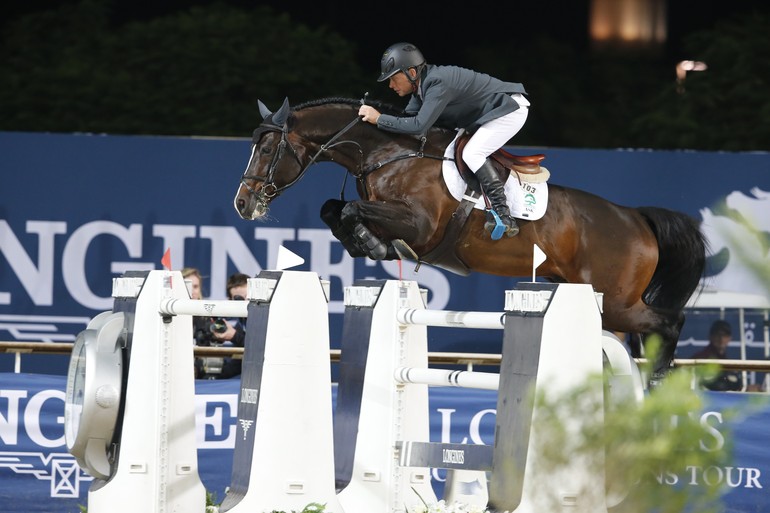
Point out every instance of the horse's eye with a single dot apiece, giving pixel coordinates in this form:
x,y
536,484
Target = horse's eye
x,y
266,150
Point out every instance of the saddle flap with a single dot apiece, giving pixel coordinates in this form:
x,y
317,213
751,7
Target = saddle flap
x,y
504,162
465,172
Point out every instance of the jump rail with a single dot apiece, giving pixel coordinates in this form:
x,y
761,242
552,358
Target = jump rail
x,y
204,308
452,378
435,358
451,319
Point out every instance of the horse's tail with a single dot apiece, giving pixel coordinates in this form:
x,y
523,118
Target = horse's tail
x,y
681,258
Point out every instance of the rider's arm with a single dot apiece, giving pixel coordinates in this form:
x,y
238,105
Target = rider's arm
x,y
435,100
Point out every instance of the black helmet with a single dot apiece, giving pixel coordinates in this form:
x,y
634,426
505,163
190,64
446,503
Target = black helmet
x,y
399,57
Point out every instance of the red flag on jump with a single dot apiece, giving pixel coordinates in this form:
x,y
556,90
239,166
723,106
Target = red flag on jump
x,y
166,260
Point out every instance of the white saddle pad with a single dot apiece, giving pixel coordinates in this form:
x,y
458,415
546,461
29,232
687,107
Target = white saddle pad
x,y
526,200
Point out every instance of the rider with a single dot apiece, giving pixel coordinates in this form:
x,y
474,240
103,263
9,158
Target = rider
x,y
453,97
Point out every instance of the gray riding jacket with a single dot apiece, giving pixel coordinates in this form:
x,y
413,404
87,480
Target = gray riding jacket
x,y
454,97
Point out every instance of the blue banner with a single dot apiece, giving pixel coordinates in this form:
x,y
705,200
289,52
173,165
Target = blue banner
x,y
37,474
78,210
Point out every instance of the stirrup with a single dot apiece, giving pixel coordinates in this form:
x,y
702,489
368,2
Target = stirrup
x,y
501,228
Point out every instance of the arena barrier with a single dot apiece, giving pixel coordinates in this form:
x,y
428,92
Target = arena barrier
x,y
552,342
283,455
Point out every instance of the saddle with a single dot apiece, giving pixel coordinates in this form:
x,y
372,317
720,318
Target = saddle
x,y
527,168
504,163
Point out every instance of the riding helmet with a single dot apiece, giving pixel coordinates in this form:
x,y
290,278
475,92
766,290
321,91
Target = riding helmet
x,y
399,57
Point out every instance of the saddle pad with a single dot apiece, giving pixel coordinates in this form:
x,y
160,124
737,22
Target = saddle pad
x,y
526,200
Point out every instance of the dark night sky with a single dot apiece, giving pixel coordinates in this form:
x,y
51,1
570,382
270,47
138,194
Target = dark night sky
x,y
439,31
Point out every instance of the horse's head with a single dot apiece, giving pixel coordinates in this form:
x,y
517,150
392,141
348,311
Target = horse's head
x,y
289,141
273,166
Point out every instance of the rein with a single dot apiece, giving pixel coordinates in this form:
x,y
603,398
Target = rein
x,y
270,190
419,154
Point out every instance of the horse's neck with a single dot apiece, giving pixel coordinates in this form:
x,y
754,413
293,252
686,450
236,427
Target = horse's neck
x,y
365,140
374,139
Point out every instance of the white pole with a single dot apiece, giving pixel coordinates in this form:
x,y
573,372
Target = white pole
x,y
204,308
450,319
447,378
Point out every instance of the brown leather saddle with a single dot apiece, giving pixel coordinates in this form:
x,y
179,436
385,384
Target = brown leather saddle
x,y
504,162
444,254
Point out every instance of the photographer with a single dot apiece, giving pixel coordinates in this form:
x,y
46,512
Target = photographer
x,y
720,335
222,332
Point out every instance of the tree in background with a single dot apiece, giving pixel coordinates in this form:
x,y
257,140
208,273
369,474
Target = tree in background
x,y
196,72
200,71
725,107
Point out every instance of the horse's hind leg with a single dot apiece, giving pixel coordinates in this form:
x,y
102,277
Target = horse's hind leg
x,y
666,324
668,331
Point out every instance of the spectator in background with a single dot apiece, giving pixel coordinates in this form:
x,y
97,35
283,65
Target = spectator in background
x,y
202,334
193,276
235,332
720,335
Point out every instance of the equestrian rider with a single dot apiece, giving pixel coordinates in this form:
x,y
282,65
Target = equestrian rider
x,y
454,97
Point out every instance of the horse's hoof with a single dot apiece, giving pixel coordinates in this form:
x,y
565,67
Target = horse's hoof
x,y
379,252
369,243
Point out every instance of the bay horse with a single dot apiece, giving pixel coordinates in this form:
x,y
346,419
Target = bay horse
x,y
647,261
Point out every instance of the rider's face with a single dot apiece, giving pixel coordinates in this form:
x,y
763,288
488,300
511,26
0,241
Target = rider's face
x,y
400,84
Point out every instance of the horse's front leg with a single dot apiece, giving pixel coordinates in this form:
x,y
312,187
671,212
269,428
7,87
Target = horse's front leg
x,y
331,214
373,224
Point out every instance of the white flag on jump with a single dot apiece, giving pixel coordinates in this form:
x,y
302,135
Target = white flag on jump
x,y
538,257
287,259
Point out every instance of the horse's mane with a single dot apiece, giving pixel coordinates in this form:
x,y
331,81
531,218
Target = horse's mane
x,y
385,108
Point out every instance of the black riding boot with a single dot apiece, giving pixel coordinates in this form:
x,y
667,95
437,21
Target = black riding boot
x,y
495,191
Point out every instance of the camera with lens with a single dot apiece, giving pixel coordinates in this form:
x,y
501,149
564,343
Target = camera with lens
x,y
205,329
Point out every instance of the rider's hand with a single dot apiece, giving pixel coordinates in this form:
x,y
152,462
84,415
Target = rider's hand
x,y
369,114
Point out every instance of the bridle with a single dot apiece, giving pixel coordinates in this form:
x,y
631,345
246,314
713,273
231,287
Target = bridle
x,y
269,189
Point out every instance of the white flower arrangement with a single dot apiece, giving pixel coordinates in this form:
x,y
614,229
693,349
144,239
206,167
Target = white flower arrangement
x,y
442,507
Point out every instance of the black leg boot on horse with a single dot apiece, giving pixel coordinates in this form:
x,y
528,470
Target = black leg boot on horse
x,y
499,218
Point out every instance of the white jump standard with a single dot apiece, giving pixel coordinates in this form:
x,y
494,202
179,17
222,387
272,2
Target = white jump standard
x,y
283,457
553,341
131,414
149,462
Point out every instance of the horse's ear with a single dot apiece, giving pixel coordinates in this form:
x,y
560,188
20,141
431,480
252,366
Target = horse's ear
x,y
263,110
281,115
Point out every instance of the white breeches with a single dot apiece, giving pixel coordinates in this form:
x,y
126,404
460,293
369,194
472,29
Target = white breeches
x,y
491,136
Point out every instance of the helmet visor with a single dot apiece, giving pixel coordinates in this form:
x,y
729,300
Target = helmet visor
x,y
388,68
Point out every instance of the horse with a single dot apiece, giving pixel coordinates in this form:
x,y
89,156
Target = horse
x,y
647,261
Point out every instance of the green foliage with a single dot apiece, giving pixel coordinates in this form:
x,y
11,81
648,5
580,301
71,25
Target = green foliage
x,y
651,449
196,72
211,502
750,244
313,507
